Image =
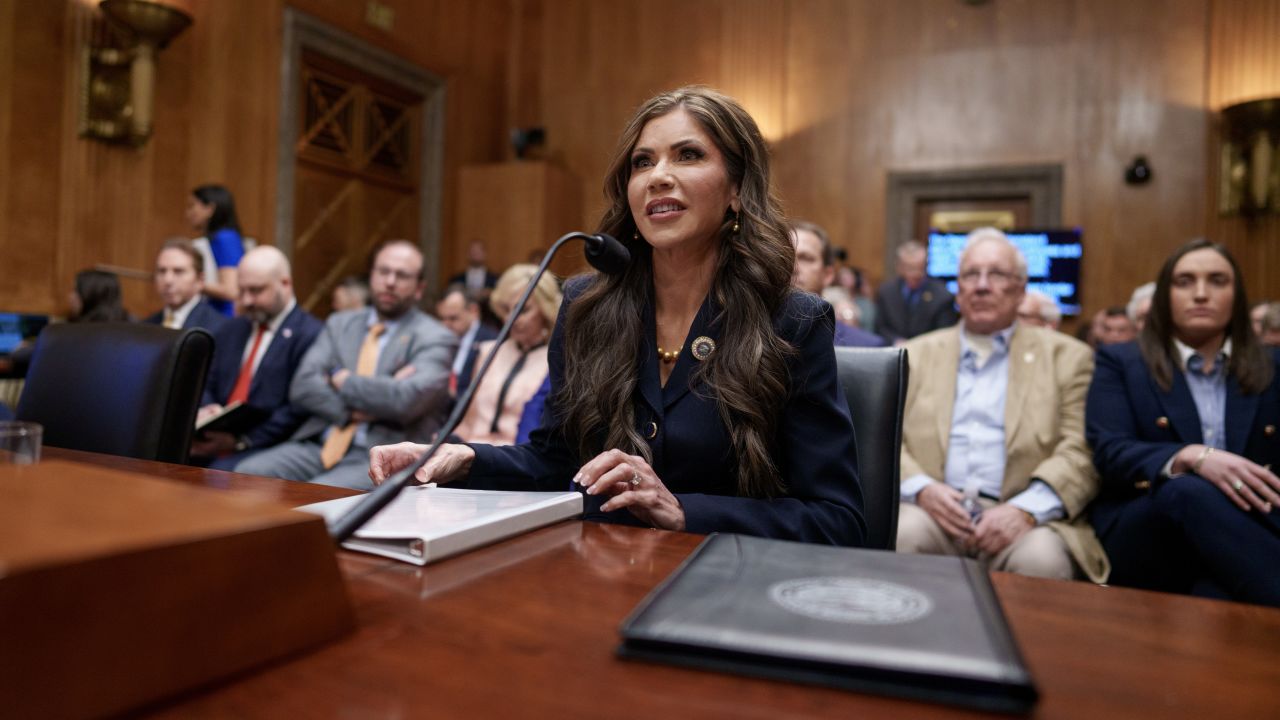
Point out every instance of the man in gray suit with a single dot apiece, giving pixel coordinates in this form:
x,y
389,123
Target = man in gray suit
x,y
373,377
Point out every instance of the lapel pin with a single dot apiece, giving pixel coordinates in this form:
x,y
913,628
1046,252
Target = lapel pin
x,y
1269,430
703,347
1162,422
927,296
287,332
1029,358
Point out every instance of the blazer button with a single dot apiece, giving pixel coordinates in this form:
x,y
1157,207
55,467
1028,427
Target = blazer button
x,y
653,430
1162,422
1269,430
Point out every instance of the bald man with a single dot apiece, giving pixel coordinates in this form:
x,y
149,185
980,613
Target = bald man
x,y
254,359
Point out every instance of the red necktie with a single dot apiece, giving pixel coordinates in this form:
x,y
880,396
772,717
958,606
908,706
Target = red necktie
x,y
240,393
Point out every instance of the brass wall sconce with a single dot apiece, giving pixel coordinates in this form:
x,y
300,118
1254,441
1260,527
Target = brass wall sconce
x,y
119,71
1249,171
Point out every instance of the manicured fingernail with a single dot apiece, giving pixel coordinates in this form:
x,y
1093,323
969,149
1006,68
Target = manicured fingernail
x,y
577,479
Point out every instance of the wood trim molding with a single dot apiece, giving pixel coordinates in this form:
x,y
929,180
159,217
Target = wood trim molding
x,y
1042,183
303,31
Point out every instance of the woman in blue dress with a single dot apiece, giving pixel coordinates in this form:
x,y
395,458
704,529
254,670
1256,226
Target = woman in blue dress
x,y
211,211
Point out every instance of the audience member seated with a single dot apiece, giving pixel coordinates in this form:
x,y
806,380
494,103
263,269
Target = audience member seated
x,y
994,462
1256,315
477,278
1270,326
96,298
1183,426
350,294
1114,327
853,280
1039,310
1139,305
179,279
373,377
697,390
460,312
255,356
211,211
815,269
912,303
520,365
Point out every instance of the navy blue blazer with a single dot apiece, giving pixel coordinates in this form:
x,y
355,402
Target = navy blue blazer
x,y
813,449
848,336
269,389
203,315
1134,427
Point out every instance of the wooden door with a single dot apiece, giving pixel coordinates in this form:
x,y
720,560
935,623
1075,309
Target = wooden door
x,y
357,176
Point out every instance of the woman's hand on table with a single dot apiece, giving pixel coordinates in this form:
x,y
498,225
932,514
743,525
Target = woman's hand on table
x,y
450,462
632,484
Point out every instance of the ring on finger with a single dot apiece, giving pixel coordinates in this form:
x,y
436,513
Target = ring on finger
x,y
635,478
1237,485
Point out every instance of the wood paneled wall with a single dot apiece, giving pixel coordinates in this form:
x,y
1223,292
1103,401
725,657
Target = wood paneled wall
x,y
68,203
848,90
1244,46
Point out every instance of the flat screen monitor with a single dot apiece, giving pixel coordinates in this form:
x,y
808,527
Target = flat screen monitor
x,y
16,327
1053,262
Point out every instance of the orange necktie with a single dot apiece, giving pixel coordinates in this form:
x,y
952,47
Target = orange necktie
x,y
240,391
339,440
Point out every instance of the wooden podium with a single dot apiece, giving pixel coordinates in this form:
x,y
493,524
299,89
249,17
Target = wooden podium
x,y
117,590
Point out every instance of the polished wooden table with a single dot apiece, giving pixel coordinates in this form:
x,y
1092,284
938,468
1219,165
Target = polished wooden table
x,y
528,627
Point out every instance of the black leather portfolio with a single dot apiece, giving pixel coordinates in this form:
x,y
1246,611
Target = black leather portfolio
x,y
915,626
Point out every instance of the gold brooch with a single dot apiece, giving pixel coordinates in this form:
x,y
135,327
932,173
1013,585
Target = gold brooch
x,y
703,347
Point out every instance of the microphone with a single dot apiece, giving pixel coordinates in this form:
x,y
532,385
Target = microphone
x,y
605,254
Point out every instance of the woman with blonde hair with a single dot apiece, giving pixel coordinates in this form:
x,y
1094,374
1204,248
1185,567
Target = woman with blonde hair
x,y
520,365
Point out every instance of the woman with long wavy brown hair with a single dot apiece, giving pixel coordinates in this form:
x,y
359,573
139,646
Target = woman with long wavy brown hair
x,y
696,390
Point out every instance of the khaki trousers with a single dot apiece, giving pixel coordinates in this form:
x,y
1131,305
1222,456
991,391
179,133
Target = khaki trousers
x,y
1040,552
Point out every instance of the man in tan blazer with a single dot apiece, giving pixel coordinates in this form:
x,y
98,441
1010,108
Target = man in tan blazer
x,y
994,461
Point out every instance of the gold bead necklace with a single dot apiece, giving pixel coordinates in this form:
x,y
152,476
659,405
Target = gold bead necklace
x,y
669,356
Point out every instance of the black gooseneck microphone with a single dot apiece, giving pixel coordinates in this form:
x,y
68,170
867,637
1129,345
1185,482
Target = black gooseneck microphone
x,y
605,254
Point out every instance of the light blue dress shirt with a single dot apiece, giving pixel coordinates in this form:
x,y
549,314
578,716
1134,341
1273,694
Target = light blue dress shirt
x,y
976,447
1209,392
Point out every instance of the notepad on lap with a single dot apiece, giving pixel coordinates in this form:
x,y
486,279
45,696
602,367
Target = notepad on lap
x,y
236,418
428,523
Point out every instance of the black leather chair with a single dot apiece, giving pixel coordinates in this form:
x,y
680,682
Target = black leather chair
x,y
875,386
117,388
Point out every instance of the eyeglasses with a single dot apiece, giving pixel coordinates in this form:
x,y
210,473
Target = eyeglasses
x,y
995,278
399,276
